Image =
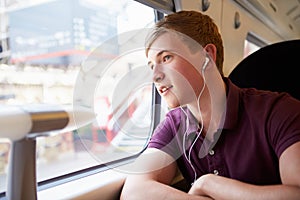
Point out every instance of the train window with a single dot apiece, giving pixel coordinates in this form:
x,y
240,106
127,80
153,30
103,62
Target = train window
x,y
40,60
252,43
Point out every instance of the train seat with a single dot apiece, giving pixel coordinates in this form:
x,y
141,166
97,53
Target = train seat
x,y
274,67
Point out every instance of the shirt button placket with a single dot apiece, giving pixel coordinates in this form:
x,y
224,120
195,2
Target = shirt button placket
x,y
211,153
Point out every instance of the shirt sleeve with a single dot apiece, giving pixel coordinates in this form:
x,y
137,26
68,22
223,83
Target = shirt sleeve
x,y
165,139
284,124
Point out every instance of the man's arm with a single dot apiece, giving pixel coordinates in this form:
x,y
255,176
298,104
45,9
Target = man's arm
x,y
219,187
150,177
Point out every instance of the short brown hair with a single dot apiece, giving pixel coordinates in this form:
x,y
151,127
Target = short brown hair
x,y
197,26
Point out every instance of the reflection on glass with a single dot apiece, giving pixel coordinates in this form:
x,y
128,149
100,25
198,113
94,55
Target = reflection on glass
x,y
40,59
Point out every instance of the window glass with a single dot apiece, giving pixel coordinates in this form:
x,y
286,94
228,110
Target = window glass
x,y
252,43
42,60
249,48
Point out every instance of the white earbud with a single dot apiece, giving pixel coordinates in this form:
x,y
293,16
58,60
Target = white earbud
x,y
205,63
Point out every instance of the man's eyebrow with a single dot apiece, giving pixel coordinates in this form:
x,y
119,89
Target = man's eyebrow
x,y
161,52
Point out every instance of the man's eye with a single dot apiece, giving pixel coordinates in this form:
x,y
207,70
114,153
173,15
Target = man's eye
x,y
166,58
150,65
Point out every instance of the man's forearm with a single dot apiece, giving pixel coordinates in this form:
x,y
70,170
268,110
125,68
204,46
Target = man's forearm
x,y
219,187
155,190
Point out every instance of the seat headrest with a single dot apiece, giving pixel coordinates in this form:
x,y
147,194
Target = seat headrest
x,y
274,67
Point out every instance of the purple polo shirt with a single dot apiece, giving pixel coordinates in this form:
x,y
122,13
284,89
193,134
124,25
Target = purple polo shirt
x,y
258,127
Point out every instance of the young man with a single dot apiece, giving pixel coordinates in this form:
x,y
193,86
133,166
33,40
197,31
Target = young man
x,y
228,142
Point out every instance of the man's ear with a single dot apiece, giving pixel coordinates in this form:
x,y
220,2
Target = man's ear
x,y
211,50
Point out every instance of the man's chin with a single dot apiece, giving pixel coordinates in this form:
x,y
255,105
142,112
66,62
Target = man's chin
x,y
173,105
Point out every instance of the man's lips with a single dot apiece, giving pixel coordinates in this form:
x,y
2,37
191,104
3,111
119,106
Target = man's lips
x,y
164,89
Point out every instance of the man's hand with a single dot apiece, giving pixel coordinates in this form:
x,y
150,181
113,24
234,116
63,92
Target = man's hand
x,y
198,186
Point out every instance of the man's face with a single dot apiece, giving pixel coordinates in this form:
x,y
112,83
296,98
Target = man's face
x,y
176,73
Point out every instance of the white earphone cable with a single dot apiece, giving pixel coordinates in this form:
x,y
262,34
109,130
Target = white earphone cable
x,y
188,157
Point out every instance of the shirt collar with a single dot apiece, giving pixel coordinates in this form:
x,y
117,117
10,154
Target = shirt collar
x,y
231,115
232,108
193,124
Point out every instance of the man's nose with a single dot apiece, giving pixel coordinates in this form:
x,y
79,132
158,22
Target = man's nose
x,y
158,76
